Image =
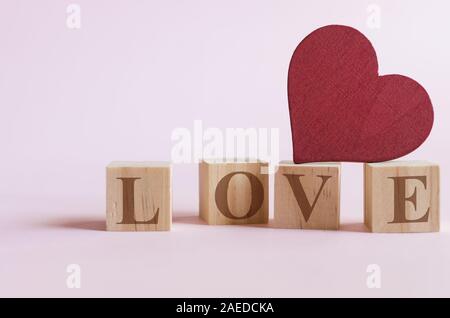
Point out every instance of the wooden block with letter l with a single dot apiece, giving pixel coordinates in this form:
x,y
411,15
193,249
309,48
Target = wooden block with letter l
x,y
307,196
233,192
401,196
139,196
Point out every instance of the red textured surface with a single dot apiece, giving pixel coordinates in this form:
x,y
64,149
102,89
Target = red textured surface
x,y
341,110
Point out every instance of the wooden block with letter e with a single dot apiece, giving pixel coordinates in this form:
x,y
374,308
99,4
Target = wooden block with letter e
x,y
401,196
307,196
139,196
233,192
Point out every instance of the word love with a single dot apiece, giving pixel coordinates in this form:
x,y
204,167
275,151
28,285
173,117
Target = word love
x,y
398,196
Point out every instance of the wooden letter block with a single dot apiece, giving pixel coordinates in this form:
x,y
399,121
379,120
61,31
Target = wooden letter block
x,y
233,192
401,196
307,196
139,196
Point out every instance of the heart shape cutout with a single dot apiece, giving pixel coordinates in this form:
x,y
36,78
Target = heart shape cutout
x,y
342,110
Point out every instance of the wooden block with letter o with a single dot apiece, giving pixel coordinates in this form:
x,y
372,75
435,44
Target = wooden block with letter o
x,y
307,196
233,192
139,196
401,196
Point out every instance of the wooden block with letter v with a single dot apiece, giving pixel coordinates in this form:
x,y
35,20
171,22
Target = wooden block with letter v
x,y
401,196
139,196
307,196
233,192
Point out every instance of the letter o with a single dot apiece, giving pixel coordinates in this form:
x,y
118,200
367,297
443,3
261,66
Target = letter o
x,y
221,195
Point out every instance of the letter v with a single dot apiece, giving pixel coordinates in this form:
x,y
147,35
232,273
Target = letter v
x,y
300,195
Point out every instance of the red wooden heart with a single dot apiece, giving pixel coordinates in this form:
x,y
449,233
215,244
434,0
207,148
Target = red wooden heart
x,y
341,110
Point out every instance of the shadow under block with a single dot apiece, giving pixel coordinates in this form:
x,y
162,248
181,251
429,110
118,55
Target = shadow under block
x,y
233,192
307,196
139,196
401,196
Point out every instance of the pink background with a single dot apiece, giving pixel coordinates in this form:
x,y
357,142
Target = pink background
x,y
74,100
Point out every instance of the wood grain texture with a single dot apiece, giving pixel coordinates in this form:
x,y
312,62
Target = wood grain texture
x,y
401,196
139,196
307,196
342,110
233,192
